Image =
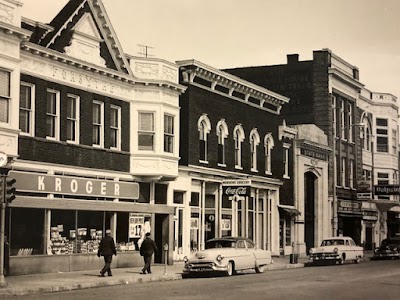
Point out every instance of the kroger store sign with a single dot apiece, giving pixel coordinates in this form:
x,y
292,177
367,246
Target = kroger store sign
x,y
69,185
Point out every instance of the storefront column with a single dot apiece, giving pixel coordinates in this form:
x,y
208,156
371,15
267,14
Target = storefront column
x,y
46,235
256,219
218,208
202,214
113,224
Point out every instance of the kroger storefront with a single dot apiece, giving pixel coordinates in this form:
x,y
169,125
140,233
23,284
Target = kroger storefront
x,y
57,220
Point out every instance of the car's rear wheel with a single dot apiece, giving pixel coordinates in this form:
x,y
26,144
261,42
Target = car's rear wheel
x,y
230,269
358,259
260,269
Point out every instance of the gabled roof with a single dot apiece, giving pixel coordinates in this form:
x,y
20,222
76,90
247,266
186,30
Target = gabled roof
x,y
86,20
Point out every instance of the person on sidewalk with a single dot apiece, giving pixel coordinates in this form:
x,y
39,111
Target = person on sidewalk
x,y
147,249
107,249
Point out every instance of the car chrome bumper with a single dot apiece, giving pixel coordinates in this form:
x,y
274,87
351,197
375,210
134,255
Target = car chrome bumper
x,y
204,268
324,256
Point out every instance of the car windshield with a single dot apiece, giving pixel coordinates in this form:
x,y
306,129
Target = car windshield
x,y
332,242
220,244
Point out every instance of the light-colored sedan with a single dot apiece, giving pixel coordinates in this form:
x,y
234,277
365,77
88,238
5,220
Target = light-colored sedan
x,y
337,249
227,255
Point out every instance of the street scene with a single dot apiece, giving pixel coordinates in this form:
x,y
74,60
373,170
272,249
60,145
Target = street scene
x,y
197,149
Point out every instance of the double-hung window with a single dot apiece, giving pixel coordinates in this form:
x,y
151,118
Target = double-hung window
x,y
254,142
238,136
5,97
72,119
168,133
382,135
98,123
115,127
26,108
286,154
222,133
146,131
204,128
53,115
268,145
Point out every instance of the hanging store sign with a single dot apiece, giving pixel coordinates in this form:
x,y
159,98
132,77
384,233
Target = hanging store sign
x,y
136,225
388,189
225,224
236,188
70,185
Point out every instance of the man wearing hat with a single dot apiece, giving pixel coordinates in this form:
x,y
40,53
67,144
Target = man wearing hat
x,y
107,249
147,249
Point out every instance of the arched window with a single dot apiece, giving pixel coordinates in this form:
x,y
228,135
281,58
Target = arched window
x,y
222,133
254,142
268,145
238,136
366,134
204,127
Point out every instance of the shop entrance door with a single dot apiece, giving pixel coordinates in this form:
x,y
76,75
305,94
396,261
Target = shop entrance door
x,y
178,233
368,237
309,203
161,235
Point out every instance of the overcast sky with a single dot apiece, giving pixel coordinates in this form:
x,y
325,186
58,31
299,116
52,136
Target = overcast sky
x,y
233,33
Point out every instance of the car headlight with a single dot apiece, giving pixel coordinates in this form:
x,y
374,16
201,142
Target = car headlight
x,y
219,257
185,259
336,250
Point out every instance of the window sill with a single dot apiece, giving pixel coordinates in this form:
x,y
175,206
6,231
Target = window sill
x,y
268,173
286,177
254,170
221,165
203,162
238,168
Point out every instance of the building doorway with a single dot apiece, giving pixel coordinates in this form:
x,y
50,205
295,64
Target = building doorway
x,y
309,209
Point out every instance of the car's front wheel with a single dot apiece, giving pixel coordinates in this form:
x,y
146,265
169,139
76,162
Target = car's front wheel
x,y
341,260
358,259
230,270
260,269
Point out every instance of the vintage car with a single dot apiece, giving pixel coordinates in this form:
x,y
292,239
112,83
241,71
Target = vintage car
x,y
337,250
389,249
227,255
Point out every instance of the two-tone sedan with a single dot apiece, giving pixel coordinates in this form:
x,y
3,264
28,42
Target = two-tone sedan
x,y
227,255
337,249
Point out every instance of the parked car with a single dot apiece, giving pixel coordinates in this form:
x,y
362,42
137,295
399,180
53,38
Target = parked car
x,y
389,248
227,255
337,250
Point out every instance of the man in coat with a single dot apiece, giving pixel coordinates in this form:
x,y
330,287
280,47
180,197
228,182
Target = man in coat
x,y
107,249
147,249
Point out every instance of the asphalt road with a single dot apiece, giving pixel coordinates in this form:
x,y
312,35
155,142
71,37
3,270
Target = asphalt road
x,y
367,280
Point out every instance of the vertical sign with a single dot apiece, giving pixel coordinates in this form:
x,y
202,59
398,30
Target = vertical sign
x,y
136,225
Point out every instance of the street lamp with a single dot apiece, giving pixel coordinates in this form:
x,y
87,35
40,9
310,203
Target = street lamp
x,y
335,200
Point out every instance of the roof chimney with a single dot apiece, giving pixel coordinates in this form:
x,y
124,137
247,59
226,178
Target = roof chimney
x,y
292,58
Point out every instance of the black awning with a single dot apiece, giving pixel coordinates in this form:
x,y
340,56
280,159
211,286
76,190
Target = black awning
x,y
291,210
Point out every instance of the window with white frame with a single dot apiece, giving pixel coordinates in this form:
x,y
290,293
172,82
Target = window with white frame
x,y
222,133
286,153
394,141
344,172
268,145
334,117
254,142
98,123
367,134
204,127
168,133
53,114
72,118
351,173
26,108
342,120
146,131
115,127
382,135
238,136
5,96
350,121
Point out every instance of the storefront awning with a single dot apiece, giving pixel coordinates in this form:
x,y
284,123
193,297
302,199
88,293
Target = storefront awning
x,y
385,205
291,210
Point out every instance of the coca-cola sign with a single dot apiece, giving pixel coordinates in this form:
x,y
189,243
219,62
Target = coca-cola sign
x,y
236,187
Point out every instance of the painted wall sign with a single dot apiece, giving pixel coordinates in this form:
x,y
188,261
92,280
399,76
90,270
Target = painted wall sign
x,y
389,189
69,185
313,154
348,206
232,188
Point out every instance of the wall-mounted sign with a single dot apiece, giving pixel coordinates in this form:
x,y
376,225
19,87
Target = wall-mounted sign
x,y
388,189
225,224
70,185
313,154
194,223
232,188
370,215
349,206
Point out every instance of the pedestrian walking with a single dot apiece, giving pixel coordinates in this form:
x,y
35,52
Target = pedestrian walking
x,y
107,249
147,249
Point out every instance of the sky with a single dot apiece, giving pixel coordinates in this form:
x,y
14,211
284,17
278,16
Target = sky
x,y
238,33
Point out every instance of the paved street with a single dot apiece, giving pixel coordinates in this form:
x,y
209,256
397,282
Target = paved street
x,y
368,280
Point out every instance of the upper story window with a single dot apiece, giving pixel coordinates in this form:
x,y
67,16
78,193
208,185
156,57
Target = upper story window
x,y
73,118
254,142
349,123
286,148
351,174
222,133
115,127
382,135
394,141
204,127
53,114
238,136
5,96
344,172
367,134
98,123
268,145
342,120
168,133
334,117
146,131
26,108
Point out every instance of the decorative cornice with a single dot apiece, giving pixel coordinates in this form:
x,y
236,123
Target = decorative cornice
x,y
192,68
345,78
83,65
18,32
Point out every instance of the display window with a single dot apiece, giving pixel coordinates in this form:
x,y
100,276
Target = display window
x,y
26,231
131,230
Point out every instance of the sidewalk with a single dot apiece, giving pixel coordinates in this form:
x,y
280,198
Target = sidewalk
x,y
57,282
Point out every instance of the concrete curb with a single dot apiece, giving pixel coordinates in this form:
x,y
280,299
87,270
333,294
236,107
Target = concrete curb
x,y
65,286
